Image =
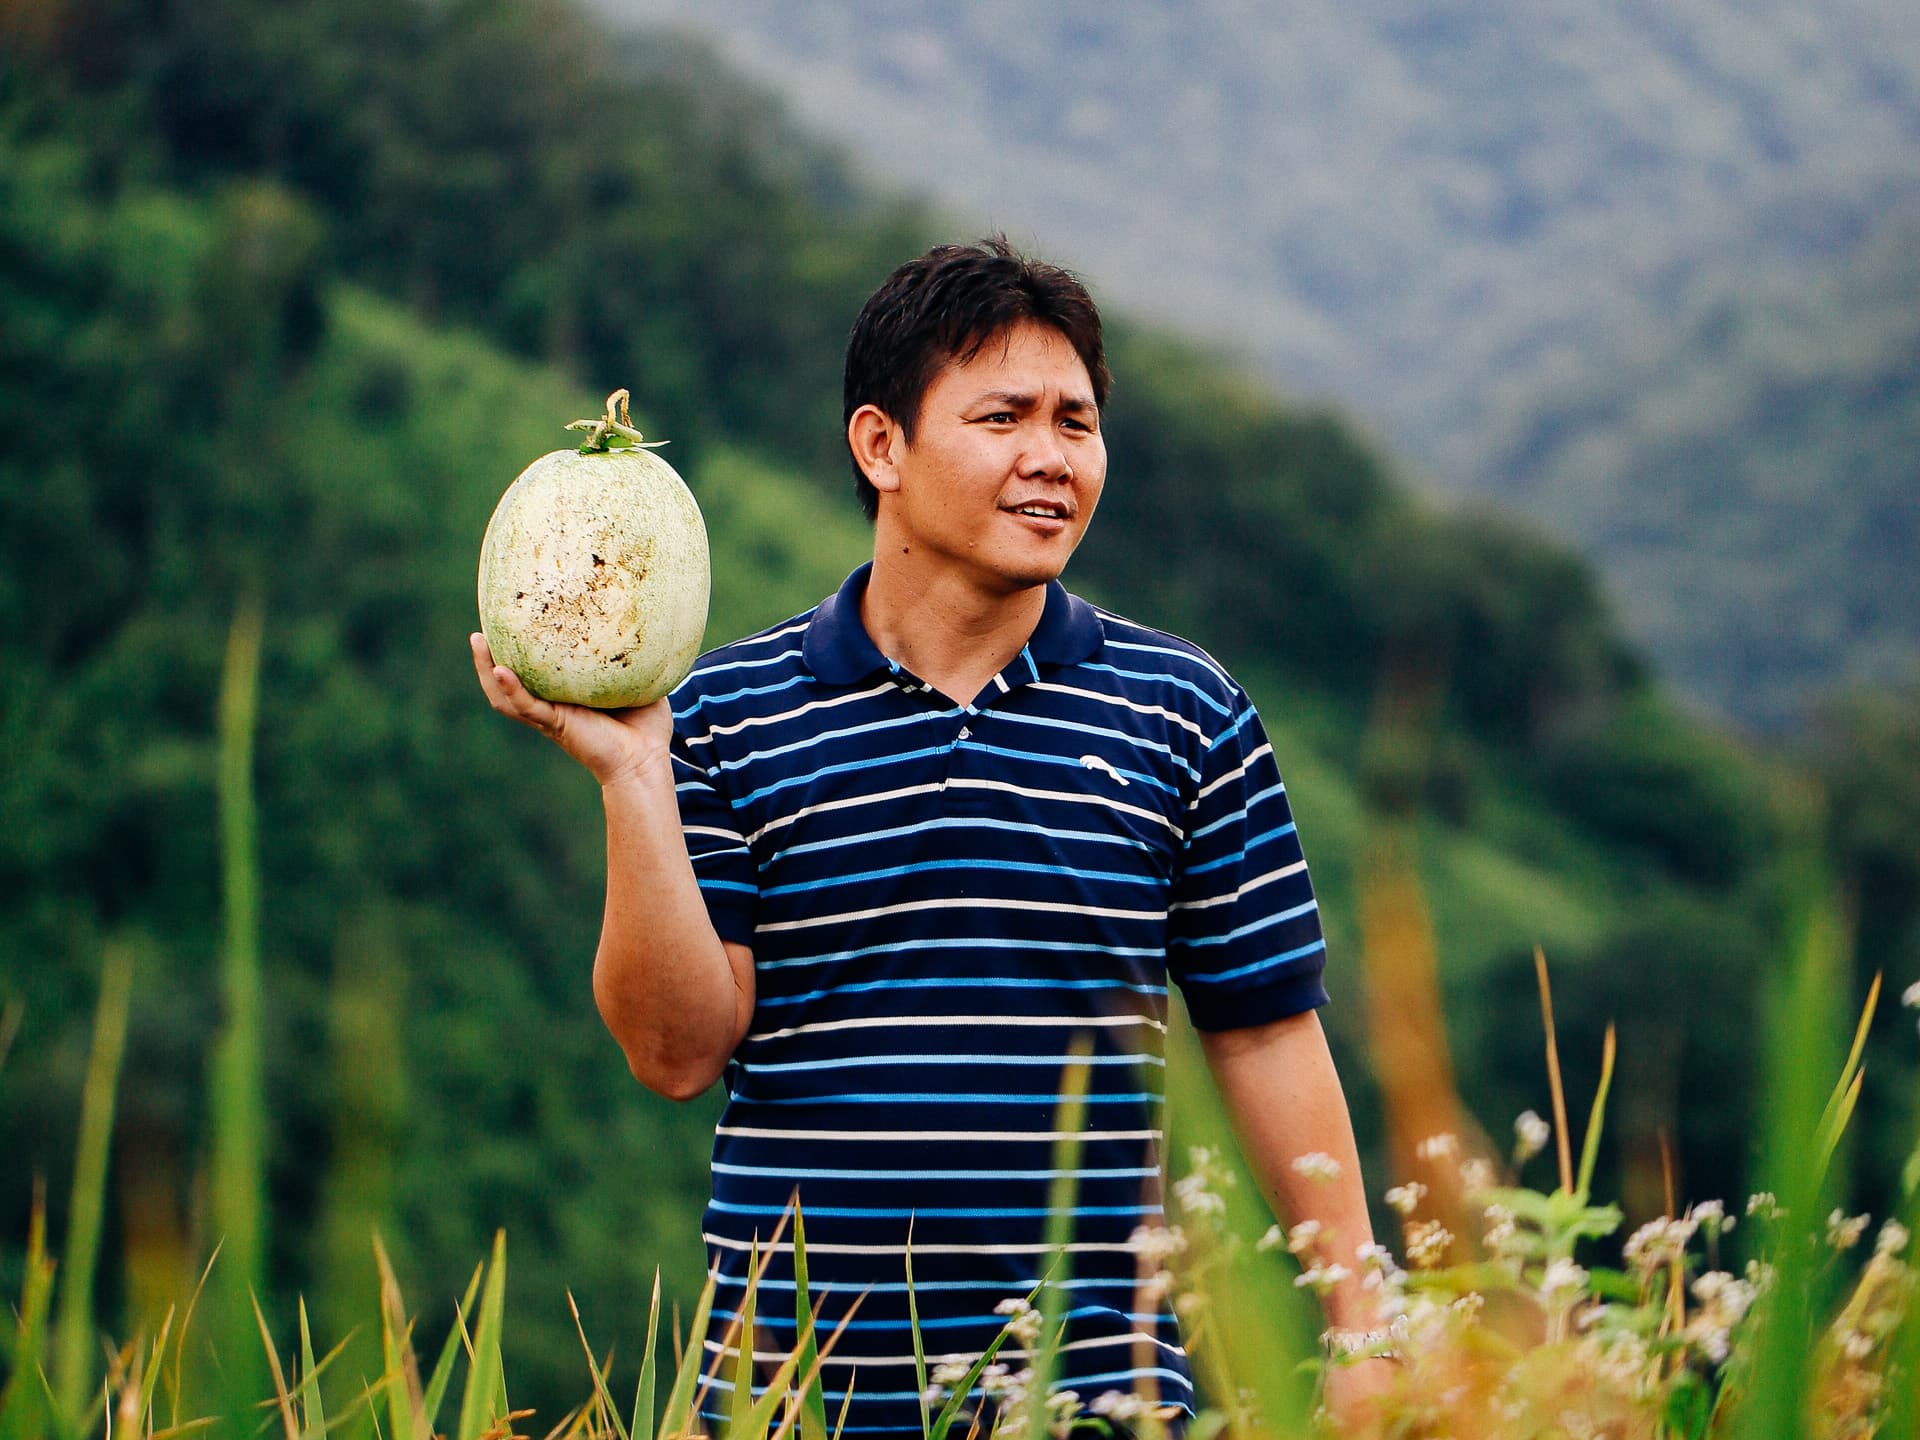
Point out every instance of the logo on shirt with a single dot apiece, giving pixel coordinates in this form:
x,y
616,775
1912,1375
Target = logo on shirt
x,y
1094,762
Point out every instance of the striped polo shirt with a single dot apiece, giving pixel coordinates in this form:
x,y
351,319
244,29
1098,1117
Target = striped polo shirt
x,y
940,899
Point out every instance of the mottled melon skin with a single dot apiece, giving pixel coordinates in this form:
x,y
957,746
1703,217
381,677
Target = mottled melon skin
x,y
594,578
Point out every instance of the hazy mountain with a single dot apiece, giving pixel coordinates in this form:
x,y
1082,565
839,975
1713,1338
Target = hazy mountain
x,y
1457,220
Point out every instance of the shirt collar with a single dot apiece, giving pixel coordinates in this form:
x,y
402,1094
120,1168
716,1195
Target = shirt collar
x,y
839,650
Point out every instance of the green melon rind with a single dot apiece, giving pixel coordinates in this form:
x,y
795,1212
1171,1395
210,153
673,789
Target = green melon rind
x,y
620,633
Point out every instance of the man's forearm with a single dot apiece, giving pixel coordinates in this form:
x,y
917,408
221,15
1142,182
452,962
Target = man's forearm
x,y
676,998
1281,1090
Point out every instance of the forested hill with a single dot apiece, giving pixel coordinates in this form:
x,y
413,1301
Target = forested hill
x,y
1624,265
289,293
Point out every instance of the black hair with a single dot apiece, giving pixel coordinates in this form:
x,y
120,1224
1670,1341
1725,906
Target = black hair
x,y
944,306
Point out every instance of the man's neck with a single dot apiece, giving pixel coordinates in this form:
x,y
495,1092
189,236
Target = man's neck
x,y
952,634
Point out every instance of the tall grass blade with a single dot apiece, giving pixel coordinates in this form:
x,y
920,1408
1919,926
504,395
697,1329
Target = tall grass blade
x,y
759,1420
406,1408
281,1398
151,1379
1590,1147
678,1417
729,1338
599,1377
813,1398
443,1367
743,1325
812,1375
642,1425
1406,1019
481,1402
1838,1113
1835,1126
1555,1089
1851,1068
74,1345
919,1342
1774,1383
237,1181
313,1415
26,1409
1063,1189
175,1372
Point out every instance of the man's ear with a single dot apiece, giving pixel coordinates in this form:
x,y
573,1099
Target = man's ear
x,y
872,436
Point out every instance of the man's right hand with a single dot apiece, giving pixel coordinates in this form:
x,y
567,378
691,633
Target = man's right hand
x,y
612,744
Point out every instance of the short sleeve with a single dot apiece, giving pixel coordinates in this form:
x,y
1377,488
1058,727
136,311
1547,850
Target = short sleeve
x,y
1244,941
722,862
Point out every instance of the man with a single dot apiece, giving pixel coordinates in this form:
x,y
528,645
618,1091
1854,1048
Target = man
x,y
883,864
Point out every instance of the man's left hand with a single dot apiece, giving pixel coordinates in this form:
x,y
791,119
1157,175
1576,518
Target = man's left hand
x,y
1357,1394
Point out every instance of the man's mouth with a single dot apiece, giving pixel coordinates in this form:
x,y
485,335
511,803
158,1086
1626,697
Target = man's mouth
x,y
1043,510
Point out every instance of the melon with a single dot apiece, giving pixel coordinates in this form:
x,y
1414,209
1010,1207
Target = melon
x,y
594,571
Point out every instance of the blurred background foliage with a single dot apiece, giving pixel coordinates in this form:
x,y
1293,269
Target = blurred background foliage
x,y
288,294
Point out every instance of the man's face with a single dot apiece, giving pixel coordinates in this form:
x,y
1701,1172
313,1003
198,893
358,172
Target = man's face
x,y
1005,466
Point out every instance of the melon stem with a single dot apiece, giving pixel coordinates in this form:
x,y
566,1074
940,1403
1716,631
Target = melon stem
x,y
614,430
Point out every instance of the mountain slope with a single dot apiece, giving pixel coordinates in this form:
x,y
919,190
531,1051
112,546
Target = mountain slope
x,y
1448,220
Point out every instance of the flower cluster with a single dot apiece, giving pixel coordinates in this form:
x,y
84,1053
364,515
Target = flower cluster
x,y
1510,1313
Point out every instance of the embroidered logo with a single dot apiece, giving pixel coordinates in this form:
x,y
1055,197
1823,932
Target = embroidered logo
x,y
1094,762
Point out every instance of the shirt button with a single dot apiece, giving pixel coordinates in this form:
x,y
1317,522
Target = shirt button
x,y
966,731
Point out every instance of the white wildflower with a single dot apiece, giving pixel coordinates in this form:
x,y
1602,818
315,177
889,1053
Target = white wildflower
x,y
1443,1146
1893,1238
1531,1134
1405,1199
1157,1242
1724,1301
1117,1405
1726,1297
1856,1344
1374,1256
1427,1244
1501,1227
1154,1288
1316,1165
1714,1341
1023,1321
1844,1231
950,1372
1196,1197
1273,1239
1658,1242
1477,1174
1763,1204
1910,997
1064,1402
1322,1279
1563,1280
1303,1237
1712,1216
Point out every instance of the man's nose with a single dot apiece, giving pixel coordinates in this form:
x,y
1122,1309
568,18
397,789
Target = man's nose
x,y
1045,457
